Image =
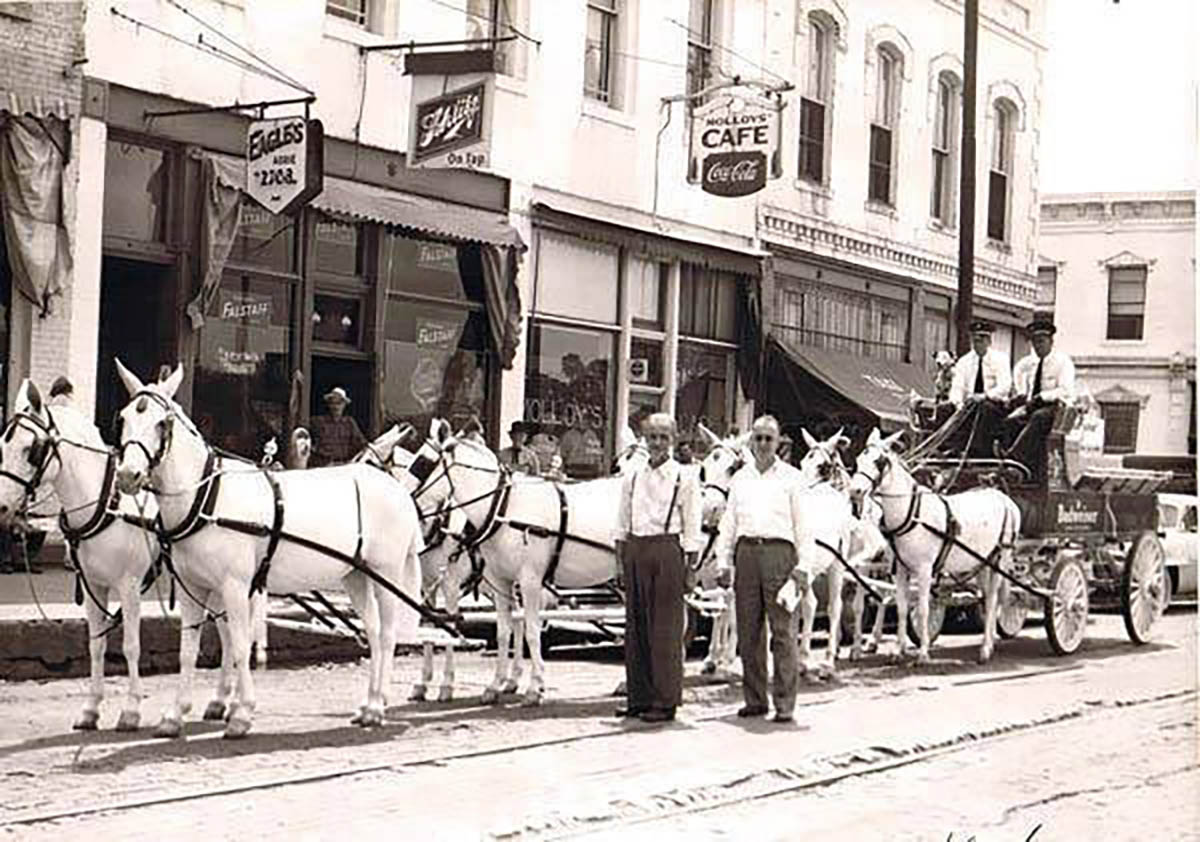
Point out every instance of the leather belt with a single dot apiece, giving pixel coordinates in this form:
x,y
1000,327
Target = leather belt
x,y
758,542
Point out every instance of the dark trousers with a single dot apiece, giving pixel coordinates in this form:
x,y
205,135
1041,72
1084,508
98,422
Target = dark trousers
x,y
1027,437
760,570
988,420
653,622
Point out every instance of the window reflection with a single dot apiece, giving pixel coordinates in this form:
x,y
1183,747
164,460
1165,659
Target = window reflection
x,y
703,388
264,239
138,209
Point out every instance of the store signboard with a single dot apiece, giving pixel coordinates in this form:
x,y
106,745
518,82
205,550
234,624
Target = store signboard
x,y
452,129
735,144
285,160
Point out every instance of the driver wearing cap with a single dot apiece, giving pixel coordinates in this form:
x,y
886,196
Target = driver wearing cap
x,y
1043,380
982,381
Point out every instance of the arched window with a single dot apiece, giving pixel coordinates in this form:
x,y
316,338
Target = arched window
x,y
817,101
945,149
889,67
1004,123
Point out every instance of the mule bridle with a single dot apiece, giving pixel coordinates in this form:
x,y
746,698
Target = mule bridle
x,y
166,432
738,463
41,452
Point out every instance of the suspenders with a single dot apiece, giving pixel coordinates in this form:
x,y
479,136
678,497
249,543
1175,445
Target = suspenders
x,y
670,508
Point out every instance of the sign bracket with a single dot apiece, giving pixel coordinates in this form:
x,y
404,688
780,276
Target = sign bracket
x,y
237,106
412,46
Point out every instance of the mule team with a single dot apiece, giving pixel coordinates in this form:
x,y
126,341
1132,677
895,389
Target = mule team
x,y
234,530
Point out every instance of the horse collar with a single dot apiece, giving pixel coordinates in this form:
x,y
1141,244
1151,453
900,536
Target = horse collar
x,y
203,504
910,518
102,516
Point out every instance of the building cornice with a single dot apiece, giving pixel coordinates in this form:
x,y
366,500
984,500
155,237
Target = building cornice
x,y
1183,364
837,241
1152,211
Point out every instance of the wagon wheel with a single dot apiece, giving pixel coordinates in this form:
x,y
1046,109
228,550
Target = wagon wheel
x,y
1144,586
1067,606
1010,617
937,618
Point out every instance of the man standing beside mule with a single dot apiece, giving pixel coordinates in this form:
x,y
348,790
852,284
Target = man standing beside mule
x,y
658,533
762,538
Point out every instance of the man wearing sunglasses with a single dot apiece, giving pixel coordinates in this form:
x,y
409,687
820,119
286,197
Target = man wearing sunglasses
x,y
658,533
763,541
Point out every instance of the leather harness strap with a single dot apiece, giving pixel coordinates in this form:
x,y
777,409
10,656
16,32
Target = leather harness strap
x,y
259,582
203,505
556,553
836,552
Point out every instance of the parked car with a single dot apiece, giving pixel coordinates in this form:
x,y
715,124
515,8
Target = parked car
x,y
1177,528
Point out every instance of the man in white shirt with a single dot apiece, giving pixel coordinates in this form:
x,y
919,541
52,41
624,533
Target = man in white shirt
x,y
762,536
658,533
1043,380
982,381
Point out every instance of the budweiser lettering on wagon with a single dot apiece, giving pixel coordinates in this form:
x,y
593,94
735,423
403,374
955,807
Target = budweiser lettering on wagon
x,y
735,144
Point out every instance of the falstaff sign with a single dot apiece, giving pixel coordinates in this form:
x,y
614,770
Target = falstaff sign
x,y
451,130
284,162
735,144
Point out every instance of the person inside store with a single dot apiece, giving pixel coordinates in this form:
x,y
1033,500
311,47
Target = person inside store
x,y
762,543
657,541
982,382
337,436
1043,382
519,456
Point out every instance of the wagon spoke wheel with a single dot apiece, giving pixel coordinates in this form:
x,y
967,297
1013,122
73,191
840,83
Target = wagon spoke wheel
x,y
937,618
1144,586
1067,606
1010,618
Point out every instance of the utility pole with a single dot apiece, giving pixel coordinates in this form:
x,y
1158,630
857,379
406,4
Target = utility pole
x,y
966,199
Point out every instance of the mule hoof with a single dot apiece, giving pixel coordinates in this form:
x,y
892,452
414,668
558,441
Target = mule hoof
x,y
984,657
237,728
491,696
620,690
168,728
445,693
129,720
371,718
215,712
417,694
923,659
509,687
531,699
87,721
709,668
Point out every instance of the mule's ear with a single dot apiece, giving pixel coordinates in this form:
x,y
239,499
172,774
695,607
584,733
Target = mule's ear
x,y
34,397
873,439
808,439
23,394
710,438
891,441
440,430
403,433
842,443
132,384
169,386
625,439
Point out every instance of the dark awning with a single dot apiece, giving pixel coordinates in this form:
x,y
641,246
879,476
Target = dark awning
x,y
881,387
436,218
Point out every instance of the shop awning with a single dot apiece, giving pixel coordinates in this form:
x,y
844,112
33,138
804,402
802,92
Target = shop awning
x,y
881,387
439,219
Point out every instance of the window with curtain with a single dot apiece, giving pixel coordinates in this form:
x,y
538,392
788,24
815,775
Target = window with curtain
x,y
1120,426
882,144
707,303
817,99
836,319
945,134
576,278
1126,302
1000,176
599,58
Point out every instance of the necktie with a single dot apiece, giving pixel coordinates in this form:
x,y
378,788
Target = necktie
x,y
979,378
1037,379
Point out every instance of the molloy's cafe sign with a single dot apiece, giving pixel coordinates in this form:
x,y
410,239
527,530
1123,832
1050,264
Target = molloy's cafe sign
x,y
284,162
735,144
451,129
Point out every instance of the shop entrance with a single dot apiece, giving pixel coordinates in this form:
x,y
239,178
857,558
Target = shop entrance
x,y
137,324
354,376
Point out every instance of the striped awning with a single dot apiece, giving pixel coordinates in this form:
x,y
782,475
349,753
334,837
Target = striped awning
x,y
20,103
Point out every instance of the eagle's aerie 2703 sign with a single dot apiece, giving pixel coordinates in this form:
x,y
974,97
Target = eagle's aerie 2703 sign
x,y
283,162
735,145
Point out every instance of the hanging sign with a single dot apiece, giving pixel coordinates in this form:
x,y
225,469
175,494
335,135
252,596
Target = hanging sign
x,y
735,144
284,162
451,129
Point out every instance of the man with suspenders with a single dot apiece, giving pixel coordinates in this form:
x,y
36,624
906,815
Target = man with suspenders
x,y
658,533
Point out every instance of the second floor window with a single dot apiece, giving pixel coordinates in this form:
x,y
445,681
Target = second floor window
x,y
700,45
945,131
1126,302
814,105
598,69
1047,289
1120,426
354,11
1000,177
883,123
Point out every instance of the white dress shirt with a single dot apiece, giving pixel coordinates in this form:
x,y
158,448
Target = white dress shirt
x,y
1058,376
764,504
646,497
997,376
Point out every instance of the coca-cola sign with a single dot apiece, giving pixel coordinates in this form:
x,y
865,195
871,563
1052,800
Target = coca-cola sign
x,y
449,130
735,145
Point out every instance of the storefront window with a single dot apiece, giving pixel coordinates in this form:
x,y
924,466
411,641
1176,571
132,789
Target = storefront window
x,y
338,247
435,364
647,288
569,395
703,395
576,278
136,201
337,319
242,373
264,239
646,362
424,267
